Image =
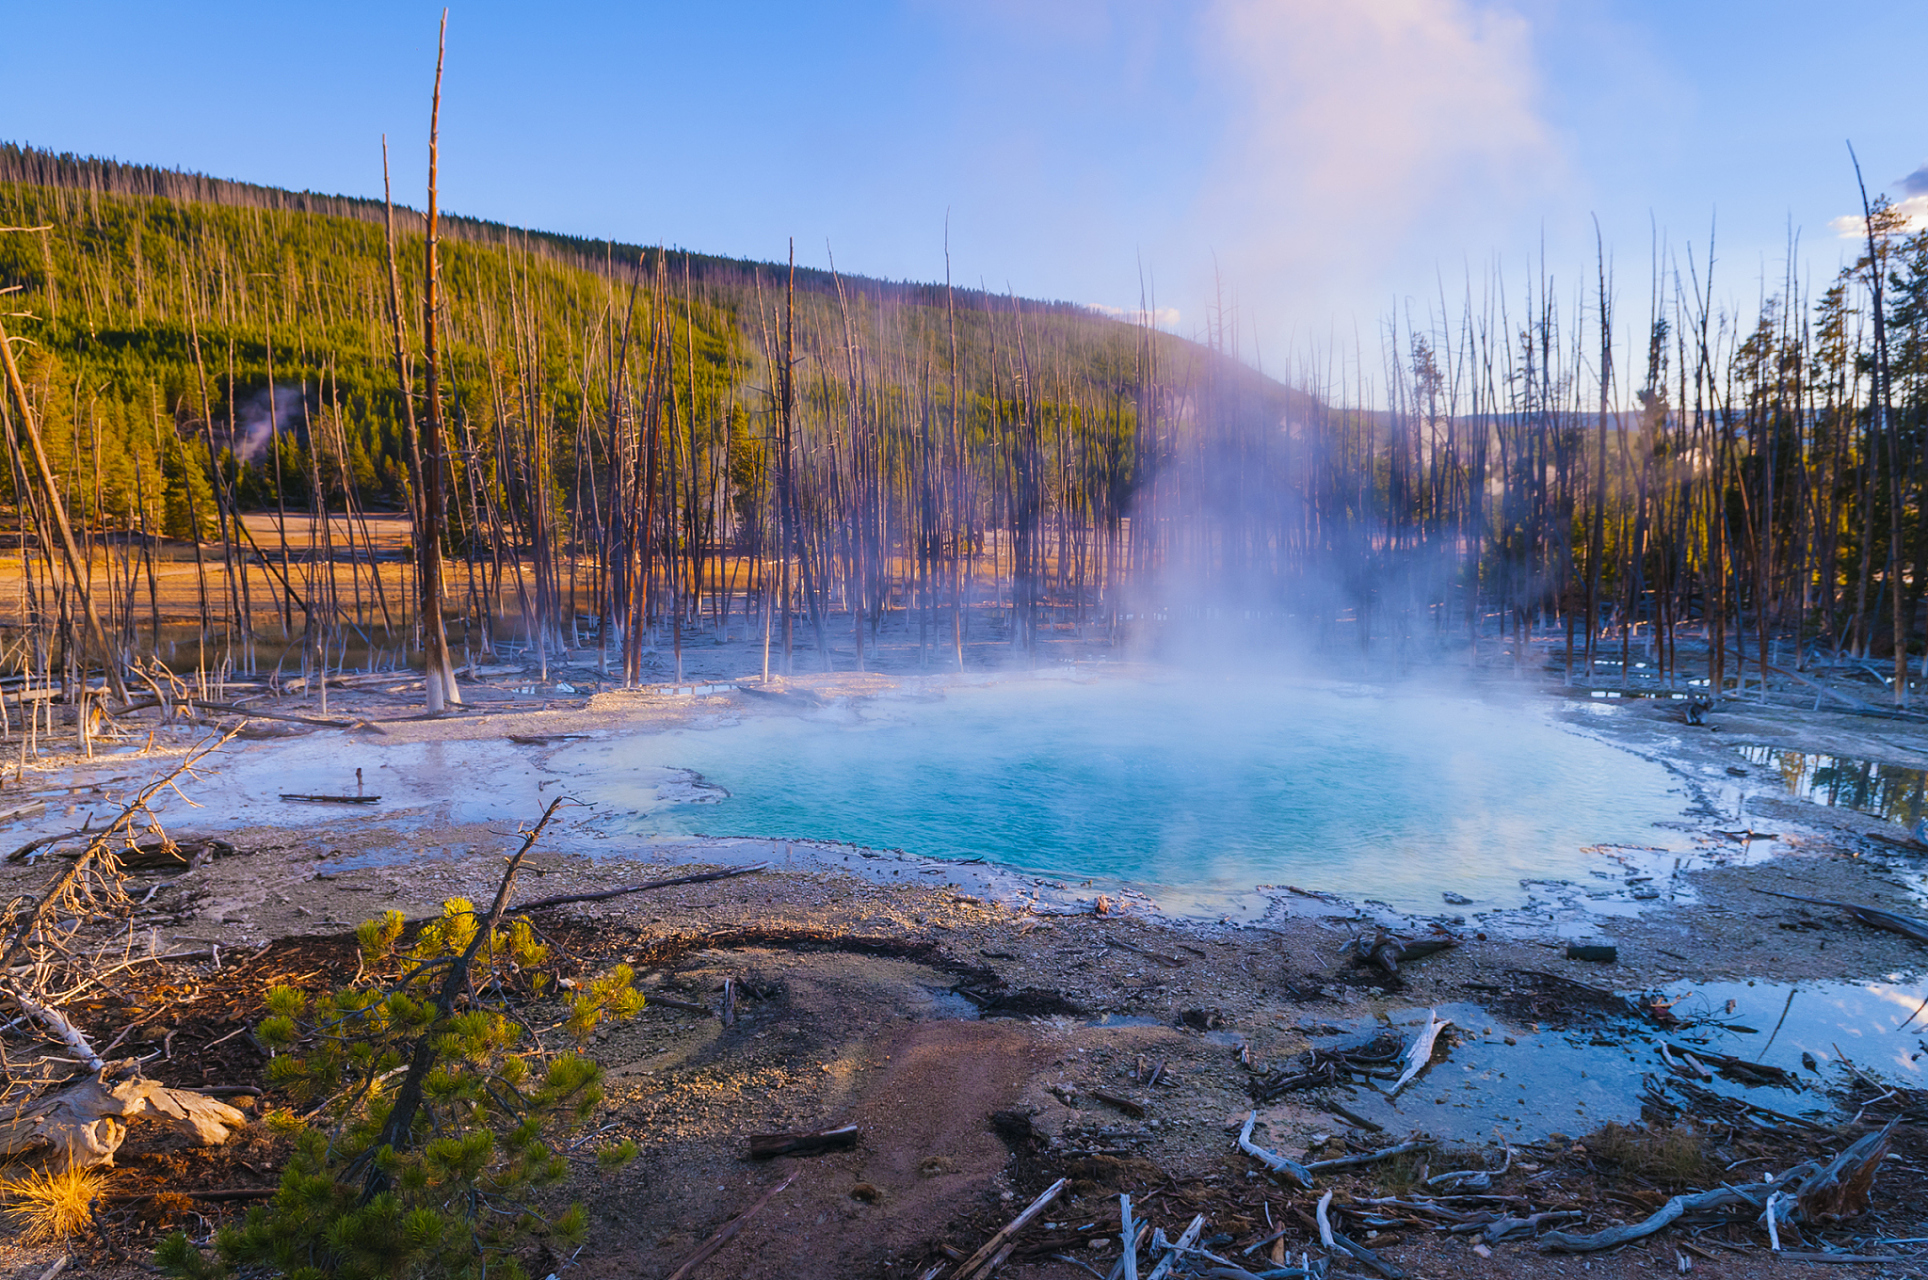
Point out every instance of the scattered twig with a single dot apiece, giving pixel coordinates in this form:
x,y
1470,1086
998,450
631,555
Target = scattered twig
x,y
726,1231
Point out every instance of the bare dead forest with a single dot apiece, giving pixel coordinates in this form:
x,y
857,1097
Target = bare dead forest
x,y
351,436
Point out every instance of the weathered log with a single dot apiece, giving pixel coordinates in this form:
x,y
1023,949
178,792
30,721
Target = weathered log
x,y
1176,1250
670,1002
765,1146
1752,1198
1338,1243
599,895
1270,1159
1386,950
256,713
84,1124
1907,926
1420,1056
1129,1106
1368,1157
57,1022
1161,957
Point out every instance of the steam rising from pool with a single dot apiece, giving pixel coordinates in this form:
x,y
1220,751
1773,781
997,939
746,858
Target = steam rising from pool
x,y
1204,786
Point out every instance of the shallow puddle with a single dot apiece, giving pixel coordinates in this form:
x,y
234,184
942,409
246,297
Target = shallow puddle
x,y
1894,792
1877,1026
1527,1083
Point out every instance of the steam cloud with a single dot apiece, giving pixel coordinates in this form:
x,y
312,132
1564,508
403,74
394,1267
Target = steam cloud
x,y
1366,122
254,425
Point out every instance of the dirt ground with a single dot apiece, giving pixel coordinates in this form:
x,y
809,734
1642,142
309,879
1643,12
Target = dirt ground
x,y
968,1030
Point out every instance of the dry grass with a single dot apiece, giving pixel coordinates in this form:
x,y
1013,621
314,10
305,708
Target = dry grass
x,y
1674,1158
49,1206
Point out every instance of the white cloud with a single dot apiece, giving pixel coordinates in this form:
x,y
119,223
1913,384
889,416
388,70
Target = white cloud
x,y
1913,210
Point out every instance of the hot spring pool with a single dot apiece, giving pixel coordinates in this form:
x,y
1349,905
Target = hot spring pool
x,y
1205,786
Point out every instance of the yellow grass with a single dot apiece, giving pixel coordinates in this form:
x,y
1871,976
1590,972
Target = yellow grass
x,y
49,1206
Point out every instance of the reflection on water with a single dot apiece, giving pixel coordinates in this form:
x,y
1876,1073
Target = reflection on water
x,y
1890,791
1527,1083
1878,1026
1202,785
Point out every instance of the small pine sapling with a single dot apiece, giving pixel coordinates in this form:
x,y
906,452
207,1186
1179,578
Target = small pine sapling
x,y
433,1114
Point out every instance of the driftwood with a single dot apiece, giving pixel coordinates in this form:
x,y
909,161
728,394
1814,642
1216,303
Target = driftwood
x,y
1368,1157
598,896
1747,1072
1531,1225
1175,1251
304,799
672,1003
1907,926
19,813
85,1123
255,713
1271,1160
57,1022
1349,1116
1129,1106
724,1233
975,1265
1335,1242
1420,1056
1751,1198
765,1146
1386,950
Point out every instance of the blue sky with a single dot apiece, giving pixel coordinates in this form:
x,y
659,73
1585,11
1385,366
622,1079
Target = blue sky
x,y
1309,161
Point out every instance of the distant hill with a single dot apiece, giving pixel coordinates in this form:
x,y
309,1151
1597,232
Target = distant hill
x,y
136,265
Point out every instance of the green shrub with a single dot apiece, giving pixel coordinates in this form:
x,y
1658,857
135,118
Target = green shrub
x,y
431,1115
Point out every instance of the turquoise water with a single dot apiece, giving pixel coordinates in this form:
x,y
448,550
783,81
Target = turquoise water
x,y
1204,785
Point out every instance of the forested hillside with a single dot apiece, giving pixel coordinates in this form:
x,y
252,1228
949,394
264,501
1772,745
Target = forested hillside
x,y
589,389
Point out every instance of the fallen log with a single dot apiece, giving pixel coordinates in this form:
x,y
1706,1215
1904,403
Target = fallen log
x,y
1749,1072
766,1146
1368,1157
672,1003
307,799
1387,950
1907,926
84,1124
255,713
1174,961
598,896
1334,1242
212,1193
1752,1198
57,1022
1176,1250
1130,1106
